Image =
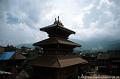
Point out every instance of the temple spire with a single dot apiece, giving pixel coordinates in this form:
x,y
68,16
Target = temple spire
x,y
58,18
55,19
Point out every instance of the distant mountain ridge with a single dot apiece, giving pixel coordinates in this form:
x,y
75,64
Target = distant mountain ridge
x,y
30,45
88,45
99,44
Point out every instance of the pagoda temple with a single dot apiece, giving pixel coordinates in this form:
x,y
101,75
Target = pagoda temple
x,y
57,60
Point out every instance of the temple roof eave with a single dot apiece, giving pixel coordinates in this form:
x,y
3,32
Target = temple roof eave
x,y
56,40
58,61
58,27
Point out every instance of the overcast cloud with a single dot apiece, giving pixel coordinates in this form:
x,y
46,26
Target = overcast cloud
x,y
20,20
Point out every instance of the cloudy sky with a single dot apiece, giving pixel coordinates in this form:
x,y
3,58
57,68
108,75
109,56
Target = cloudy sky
x,y
20,20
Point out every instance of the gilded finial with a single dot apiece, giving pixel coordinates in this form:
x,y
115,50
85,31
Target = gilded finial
x,y
58,18
55,19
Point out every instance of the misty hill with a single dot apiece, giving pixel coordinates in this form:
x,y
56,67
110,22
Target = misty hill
x,y
99,44
91,44
30,45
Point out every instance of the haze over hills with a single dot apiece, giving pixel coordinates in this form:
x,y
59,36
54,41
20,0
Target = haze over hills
x,y
89,45
99,44
29,45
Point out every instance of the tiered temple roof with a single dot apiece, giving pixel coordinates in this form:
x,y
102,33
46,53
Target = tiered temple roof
x,y
58,61
56,40
57,48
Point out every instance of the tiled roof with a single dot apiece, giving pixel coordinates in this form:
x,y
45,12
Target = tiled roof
x,y
108,55
57,26
56,40
18,56
103,56
57,61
